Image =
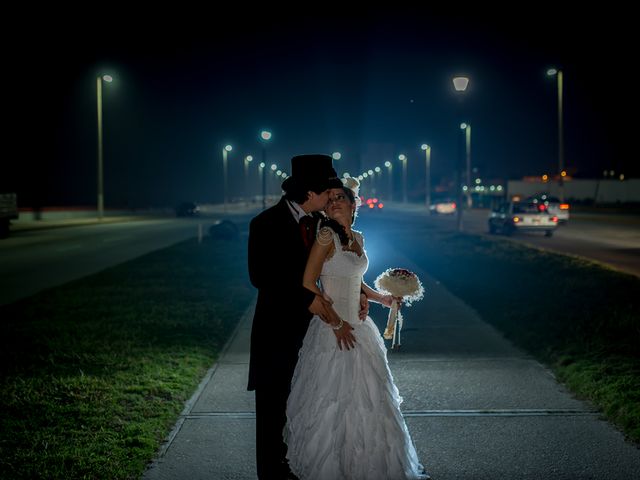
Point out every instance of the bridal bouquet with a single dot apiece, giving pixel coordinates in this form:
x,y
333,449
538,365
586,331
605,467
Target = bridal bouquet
x,y
398,282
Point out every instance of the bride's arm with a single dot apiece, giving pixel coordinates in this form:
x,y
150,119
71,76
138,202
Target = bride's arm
x,y
321,304
318,255
375,296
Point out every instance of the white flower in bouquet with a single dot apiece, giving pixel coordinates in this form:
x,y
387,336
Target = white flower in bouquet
x,y
398,282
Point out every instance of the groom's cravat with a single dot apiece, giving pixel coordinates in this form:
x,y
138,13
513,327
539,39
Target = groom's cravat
x,y
307,230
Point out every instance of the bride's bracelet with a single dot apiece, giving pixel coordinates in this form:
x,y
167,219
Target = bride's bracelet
x,y
339,326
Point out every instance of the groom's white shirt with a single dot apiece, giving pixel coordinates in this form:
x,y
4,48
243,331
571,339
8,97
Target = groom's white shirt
x,y
296,211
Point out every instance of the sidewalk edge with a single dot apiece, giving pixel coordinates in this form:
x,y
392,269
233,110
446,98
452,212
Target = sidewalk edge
x,y
189,404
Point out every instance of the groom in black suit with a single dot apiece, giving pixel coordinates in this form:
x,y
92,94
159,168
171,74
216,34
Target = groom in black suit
x,y
279,242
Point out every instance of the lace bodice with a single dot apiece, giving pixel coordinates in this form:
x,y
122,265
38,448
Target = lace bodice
x,y
341,278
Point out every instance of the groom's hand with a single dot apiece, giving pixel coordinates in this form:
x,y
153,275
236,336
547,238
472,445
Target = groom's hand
x,y
319,307
345,337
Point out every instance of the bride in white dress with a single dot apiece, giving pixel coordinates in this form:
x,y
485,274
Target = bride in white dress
x,y
343,413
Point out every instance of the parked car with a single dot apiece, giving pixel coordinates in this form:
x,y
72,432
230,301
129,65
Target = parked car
x,y
373,203
187,209
553,205
512,217
443,206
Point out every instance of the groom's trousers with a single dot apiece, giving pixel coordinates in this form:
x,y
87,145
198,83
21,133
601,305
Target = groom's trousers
x,y
271,417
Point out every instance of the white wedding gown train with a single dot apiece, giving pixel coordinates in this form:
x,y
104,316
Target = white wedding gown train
x,y
343,413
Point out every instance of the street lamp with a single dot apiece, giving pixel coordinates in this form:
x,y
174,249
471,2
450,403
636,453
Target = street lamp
x,y
460,83
99,80
247,160
403,159
265,135
376,179
389,166
427,153
558,73
336,155
467,128
261,168
225,151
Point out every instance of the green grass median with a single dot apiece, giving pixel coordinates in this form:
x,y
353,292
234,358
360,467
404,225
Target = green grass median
x,y
581,319
95,372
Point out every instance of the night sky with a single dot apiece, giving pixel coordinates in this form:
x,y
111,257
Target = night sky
x,y
370,86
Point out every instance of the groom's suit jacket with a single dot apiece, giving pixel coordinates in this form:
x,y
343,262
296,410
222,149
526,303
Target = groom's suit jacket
x,y
277,259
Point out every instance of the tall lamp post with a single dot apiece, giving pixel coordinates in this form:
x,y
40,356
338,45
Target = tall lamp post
x,y
460,83
247,160
558,73
265,136
99,80
467,130
403,159
427,155
225,151
389,166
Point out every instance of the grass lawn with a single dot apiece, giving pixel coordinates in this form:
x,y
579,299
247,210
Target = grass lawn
x,y
95,372
581,319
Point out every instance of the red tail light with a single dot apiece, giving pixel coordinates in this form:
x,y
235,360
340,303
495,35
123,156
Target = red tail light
x,y
380,205
554,219
371,205
542,207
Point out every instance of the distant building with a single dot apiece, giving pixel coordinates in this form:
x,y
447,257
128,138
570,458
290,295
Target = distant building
x,y
605,190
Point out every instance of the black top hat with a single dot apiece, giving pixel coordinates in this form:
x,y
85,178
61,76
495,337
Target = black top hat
x,y
312,172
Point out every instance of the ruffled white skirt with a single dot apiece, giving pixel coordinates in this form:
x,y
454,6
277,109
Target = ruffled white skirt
x,y
343,413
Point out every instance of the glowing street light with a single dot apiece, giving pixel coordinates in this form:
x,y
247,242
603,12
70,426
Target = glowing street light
x,y
427,153
389,166
99,80
467,128
265,135
558,74
460,83
247,160
336,155
403,159
225,151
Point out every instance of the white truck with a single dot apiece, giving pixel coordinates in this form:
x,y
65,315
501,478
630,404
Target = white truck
x,y
8,212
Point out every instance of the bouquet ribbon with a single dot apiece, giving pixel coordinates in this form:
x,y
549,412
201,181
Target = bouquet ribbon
x,y
394,325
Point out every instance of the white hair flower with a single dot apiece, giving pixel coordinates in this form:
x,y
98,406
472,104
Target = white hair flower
x,y
354,185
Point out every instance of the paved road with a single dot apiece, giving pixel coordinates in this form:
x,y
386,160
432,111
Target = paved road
x,y
38,258
612,240
476,407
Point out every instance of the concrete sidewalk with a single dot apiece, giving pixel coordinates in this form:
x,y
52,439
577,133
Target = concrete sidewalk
x,y
476,407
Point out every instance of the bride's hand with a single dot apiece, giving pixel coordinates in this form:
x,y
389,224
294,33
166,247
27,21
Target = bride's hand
x,y
387,300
